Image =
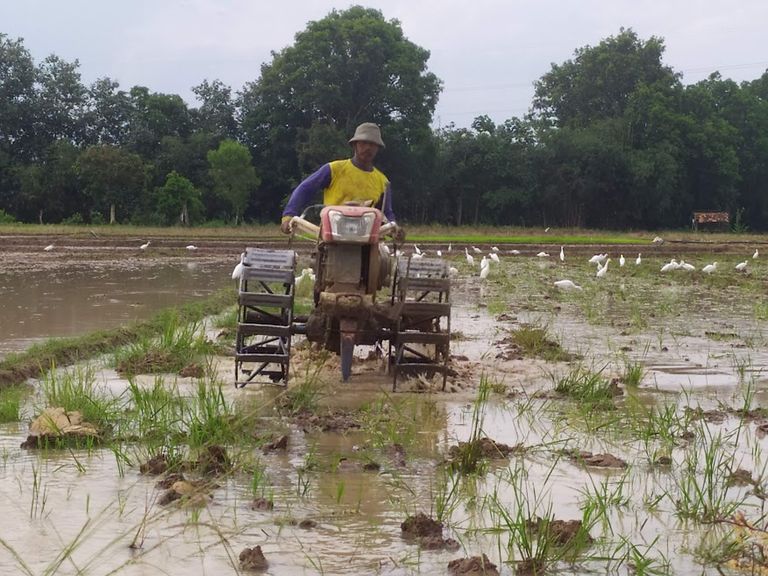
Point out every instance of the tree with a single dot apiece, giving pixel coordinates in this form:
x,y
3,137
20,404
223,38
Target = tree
x,y
600,80
153,117
216,114
350,67
17,99
177,201
60,103
112,178
109,113
233,174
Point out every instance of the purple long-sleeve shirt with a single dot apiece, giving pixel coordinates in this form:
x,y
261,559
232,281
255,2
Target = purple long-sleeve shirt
x,y
316,182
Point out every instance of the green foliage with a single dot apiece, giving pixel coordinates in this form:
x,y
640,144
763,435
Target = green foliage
x,y
6,218
10,403
178,345
178,201
233,174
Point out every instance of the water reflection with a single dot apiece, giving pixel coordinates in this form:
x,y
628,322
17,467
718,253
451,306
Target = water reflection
x,y
40,304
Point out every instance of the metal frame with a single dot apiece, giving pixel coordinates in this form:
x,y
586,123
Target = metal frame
x,y
265,316
422,334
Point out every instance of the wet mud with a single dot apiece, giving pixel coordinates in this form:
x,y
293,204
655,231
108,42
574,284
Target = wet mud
x,y
333,501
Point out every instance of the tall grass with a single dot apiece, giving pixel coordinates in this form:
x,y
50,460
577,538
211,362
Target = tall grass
x,y
11,400
178,344
75,389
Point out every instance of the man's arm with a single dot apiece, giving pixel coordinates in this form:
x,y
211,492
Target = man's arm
x,y
387,208
306,191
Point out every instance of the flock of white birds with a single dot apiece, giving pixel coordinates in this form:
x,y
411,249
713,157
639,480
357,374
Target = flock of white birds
x,y
601,260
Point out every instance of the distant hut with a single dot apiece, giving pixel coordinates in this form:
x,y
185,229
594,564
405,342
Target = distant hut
x,y
711,221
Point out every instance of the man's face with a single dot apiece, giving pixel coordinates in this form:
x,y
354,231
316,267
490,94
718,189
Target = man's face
x,y
366,151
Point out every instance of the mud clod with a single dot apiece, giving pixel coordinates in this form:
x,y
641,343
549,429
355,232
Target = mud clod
x,y
596,460
561,532
279,444
214,460
168,482
192,370
339,421
485,448
427,533
253,559
474,566
262,505
56,426
155,466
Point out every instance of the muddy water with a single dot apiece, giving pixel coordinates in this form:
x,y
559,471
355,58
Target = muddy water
x,y
78,298
84,503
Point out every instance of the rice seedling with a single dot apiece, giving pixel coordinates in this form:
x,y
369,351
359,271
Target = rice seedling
x,y
178,345
535,341
702,480
468,458
533,543
605,495
75,390
39,494
588,388
305,395
209,419
10,403
633,374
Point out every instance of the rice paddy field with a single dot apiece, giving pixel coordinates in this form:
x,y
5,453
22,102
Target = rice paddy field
x,y
615,427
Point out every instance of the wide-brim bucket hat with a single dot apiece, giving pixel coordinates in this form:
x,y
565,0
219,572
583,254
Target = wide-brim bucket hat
x,y
368,132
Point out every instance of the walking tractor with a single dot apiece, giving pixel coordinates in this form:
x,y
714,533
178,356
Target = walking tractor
x,y
352,263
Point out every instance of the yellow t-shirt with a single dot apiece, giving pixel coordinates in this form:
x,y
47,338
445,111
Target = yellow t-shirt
x,y
349,183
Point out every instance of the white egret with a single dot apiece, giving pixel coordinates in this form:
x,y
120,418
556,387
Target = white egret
x,y
639,259
658,240
597,258
476,250
470,258
622,261
495,257
416,249
494,248
452,271
685,266
484,271
48,248
439,253
567,285
515,252
709,268
741,266
485,263
756,254
238,271
562,254
546,229
145,246
191,247
671,265
418,256
542,255
604,270
450,248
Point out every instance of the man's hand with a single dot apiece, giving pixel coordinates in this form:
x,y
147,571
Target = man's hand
x,y
286,227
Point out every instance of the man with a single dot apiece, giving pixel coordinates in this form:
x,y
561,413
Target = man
x,y
355,179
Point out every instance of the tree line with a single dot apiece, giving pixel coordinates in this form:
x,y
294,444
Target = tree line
x,y
613,139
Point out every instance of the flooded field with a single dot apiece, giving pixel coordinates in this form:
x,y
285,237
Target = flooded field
x,y
615,429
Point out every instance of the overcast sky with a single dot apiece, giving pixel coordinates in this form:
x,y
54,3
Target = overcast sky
x,y
488,53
